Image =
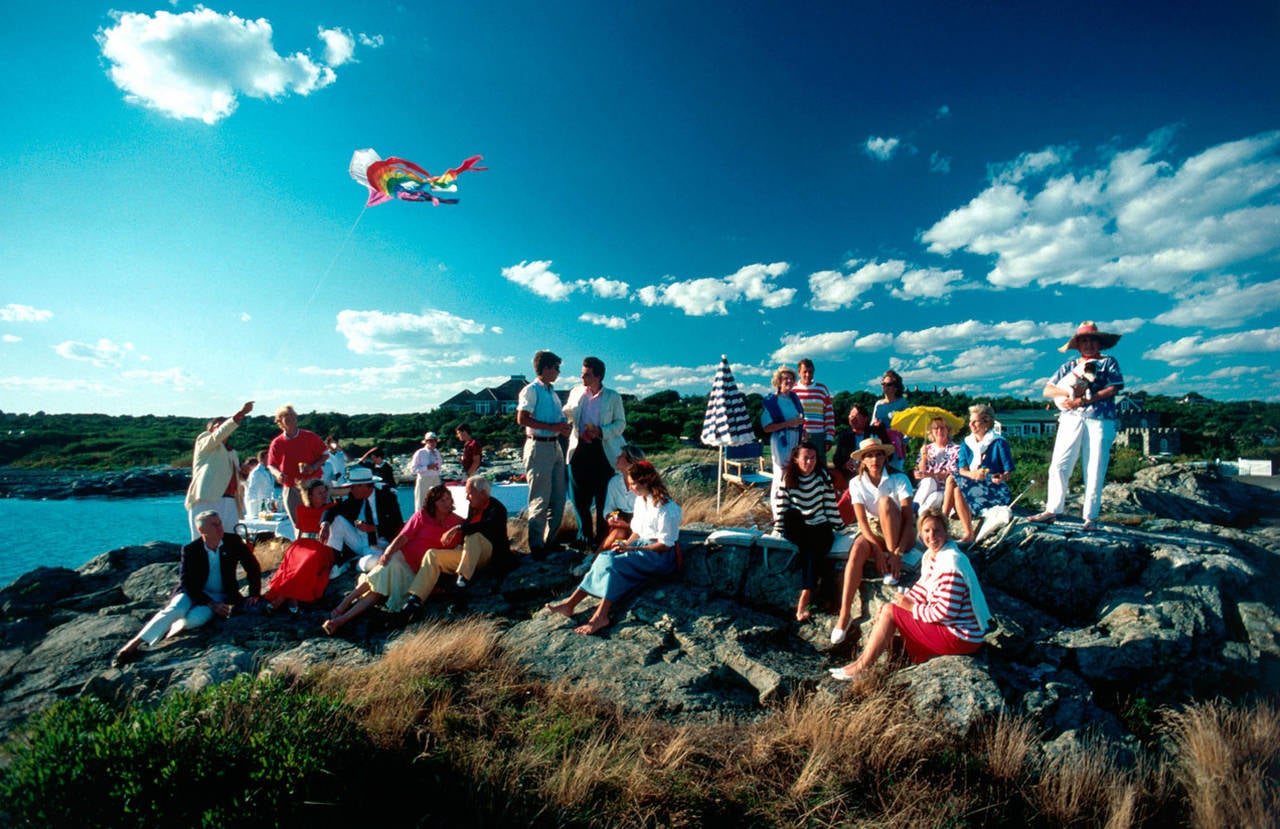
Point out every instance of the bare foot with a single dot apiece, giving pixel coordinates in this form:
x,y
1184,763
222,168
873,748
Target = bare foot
x,y
562,608
969,538
593,626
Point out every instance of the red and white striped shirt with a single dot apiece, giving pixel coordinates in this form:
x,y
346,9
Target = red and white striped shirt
x,y
941,597
819,417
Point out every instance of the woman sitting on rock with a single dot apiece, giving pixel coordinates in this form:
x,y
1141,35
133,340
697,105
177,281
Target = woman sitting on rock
x,y
649,552
944,612
938,460
619,505
388,582
981,479
804,512
303,574
880,503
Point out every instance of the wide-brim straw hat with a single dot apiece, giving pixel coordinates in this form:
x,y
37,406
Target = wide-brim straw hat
x,y
1089,328
873,446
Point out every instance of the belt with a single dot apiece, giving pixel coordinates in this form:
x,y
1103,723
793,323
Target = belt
x,y
542,440
316,536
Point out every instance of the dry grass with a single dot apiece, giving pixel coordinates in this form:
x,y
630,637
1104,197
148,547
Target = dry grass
x,y
270,553
1084,786
738,509
1228,761
1007,746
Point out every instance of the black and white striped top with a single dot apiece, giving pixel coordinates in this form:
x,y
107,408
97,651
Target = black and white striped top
x,y
813,496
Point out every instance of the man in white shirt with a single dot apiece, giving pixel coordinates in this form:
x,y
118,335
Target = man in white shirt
x,y
539,412
598,420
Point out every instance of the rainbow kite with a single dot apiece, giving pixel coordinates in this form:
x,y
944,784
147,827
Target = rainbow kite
x,y
395,178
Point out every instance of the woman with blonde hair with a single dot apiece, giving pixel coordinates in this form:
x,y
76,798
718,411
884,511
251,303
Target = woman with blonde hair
x,y
981,478
943,613
303,573
782,419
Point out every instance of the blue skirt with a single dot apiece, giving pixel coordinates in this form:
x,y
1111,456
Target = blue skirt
x,y
980,494
613,575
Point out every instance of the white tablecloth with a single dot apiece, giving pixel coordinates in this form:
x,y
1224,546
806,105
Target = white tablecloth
x,y
282,526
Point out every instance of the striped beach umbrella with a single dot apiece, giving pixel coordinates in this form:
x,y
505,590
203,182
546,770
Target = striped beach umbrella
x,y
726,422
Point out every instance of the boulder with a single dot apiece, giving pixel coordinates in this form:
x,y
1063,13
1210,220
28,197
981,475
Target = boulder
x,y
958,688
1186,492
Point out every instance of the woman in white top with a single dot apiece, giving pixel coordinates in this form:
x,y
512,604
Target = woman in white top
x,y
425,464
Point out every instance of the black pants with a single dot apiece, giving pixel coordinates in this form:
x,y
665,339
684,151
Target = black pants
x,y
591,473
814,542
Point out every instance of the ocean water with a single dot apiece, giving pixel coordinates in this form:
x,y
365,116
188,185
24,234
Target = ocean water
x,y
71,532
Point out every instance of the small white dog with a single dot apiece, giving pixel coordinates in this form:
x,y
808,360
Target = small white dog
x,y
1077,382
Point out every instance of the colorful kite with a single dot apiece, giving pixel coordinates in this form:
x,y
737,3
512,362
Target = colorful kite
x,y
395,178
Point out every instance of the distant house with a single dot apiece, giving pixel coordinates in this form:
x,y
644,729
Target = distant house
x,y
1026,423
500,399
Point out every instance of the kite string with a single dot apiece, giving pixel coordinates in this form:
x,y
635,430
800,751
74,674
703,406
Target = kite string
x,y
323,276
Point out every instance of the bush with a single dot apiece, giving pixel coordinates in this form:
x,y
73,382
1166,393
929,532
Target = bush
x,y
250,752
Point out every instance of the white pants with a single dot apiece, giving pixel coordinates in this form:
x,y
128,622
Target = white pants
x,y
420,487
929,493
226,508
343,533
1094,437
179,614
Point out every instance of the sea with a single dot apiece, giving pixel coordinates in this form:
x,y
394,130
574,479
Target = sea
x,y
70,532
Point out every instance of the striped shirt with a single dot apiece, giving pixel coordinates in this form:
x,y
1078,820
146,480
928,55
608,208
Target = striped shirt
x,y
941,597
813,496
819,417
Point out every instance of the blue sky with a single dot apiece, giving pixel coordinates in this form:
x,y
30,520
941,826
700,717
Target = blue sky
x,y
945,188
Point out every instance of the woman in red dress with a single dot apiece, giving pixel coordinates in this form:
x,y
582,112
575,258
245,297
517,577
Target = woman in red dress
x,y
303,574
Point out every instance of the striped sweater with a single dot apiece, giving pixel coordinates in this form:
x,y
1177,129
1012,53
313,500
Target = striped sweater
x,y
813,496
819,417
941,597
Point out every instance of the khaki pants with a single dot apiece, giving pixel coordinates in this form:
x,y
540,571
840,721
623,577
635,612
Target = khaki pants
x,y
473,555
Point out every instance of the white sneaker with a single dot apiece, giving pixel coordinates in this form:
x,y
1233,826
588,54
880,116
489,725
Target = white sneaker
x,y
838,635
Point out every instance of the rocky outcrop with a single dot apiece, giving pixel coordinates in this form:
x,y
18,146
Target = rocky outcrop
x,y
1085,624
59,484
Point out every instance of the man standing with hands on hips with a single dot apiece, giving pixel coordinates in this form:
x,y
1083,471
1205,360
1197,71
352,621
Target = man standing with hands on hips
x,y
539,412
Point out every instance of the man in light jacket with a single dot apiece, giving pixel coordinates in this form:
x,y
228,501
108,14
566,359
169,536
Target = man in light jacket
x,y
598,421
215,473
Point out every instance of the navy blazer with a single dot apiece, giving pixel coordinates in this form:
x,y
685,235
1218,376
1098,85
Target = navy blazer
x,y
193,570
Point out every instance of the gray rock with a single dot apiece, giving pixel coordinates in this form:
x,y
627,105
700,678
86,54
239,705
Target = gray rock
x,y
1183,492
958,688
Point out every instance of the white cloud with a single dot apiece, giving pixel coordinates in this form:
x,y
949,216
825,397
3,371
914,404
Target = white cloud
x,y
175,378
538,277
1134,221
14,312
10,338
409,338
933,283
196,64
874,342
244,316
339,46
833,290
1187,350
700,297
971,332
985,363
831,345
372,41
881,148
607,288
601,319
104,353
1223,303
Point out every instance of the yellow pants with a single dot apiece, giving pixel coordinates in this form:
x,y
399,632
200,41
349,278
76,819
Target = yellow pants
x,y
473,555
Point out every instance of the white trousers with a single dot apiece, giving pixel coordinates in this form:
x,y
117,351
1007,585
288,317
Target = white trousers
x,y
929,493
343,532
421,485
179,614
1076,434
224,506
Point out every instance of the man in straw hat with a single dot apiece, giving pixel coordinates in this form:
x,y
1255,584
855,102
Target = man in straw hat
x,y
425,465
1087,422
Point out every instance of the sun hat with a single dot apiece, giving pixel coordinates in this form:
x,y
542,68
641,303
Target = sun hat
x,y
873,445
357,475
1089,328
429,436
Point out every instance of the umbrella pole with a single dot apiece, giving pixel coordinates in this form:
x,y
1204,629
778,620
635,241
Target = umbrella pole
x,y
719,477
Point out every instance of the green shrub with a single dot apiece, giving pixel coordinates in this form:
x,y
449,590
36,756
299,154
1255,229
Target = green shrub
x,y
250,752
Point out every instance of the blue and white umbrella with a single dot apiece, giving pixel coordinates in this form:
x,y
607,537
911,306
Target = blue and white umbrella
x,y
726,422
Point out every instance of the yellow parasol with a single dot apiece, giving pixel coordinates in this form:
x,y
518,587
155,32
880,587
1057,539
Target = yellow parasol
x,y
914,421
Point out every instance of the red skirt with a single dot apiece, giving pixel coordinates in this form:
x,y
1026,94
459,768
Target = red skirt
x,y
925,640
304,573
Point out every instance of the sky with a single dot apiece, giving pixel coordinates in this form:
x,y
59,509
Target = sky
x,y
947,189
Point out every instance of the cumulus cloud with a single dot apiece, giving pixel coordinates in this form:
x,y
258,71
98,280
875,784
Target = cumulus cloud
x,y
14,312
972,332
538,277
175,378
710,295
1223,303
197,64
881,148
1187,350
931,283
430,338
339,46
10,338
831,345
104,353
608,288
979,366
607,322
834,290
1135,221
